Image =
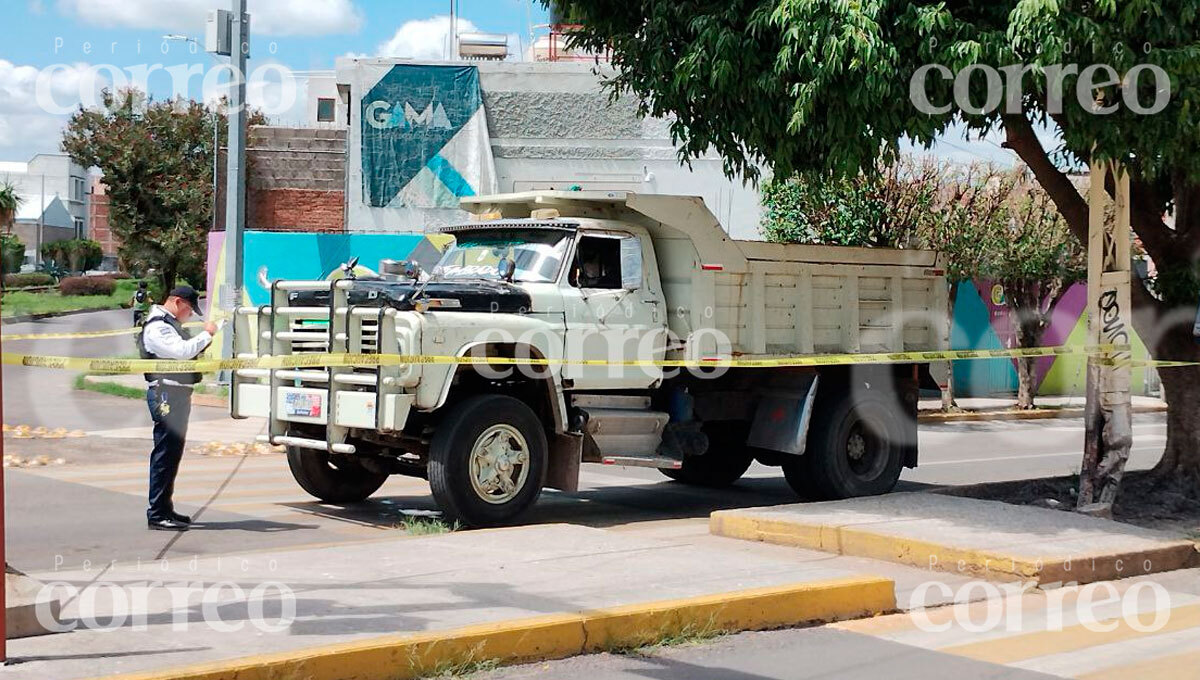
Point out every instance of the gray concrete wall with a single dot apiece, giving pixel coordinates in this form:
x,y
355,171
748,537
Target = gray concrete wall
x,y
296,158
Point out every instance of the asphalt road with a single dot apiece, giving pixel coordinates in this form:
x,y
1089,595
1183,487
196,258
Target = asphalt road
x,y
803,654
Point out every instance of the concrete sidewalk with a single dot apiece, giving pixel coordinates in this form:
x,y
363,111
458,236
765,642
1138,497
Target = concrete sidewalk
x,y
973,409
520,593
988,539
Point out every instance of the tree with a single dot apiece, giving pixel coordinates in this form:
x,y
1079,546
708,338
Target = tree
x,y
157,163
1002,226
824,86
157,160
10,202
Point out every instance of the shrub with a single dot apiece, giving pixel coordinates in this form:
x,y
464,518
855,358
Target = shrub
x,y
12,253
76,254
28,280
87,285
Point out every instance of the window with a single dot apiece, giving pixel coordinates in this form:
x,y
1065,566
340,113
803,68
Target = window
x,y
608,262
78,227
326,111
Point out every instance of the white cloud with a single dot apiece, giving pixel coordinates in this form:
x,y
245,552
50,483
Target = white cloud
x,y
35,104
423,38
268,17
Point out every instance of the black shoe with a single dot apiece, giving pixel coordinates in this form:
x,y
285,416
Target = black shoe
x,y
166,525
182,519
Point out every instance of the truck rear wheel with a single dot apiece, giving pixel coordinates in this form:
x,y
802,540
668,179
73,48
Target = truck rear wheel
x,y
854,449
333,479
725,461
487,460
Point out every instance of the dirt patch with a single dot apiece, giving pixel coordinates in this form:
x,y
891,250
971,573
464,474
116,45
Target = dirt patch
x,y
1144,500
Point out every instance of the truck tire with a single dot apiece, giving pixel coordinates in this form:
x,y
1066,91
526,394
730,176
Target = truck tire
x,y
487,460
333,479
854,449
725,461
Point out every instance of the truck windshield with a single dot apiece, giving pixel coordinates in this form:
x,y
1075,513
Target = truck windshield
x,y
537,253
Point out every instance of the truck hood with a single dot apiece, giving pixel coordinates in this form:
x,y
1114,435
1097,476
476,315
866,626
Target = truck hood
x,y
474,296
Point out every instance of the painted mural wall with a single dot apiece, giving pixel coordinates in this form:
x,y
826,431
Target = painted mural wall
x,y
981,321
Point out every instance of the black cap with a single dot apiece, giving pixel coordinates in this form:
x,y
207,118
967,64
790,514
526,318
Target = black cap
x,y
187,293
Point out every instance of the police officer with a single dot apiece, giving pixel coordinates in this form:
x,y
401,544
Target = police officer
x,y
169,397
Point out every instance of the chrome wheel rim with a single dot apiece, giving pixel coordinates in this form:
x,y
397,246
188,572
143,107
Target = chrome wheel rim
x,y
499,464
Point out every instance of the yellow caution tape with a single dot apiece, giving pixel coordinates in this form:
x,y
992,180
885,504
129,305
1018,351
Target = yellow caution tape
x,y
316,360
82,334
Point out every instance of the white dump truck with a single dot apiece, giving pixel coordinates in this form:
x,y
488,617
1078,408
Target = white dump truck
x,y
546,336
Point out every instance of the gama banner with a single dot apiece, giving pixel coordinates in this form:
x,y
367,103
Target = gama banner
x,y
425,138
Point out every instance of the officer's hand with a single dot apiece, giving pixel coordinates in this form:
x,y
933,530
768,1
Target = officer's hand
x,y
210,327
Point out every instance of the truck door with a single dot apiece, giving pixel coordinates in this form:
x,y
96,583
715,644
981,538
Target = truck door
x,y
615,311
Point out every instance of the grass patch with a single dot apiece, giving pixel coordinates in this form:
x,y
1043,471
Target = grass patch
x,y
109,388
690,634
427,526
462,669
206,388
51,302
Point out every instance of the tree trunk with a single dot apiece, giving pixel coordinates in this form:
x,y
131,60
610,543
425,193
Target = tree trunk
x,y
1180,464
1026,314
169,273
1025,375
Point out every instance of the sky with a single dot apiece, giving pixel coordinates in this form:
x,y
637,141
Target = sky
x,y
63,41
74,48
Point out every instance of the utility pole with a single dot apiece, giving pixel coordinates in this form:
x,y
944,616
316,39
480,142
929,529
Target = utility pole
x,y
1107,419
235,170
41,227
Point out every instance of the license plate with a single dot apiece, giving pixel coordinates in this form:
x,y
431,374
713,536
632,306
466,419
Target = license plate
x,y
304,405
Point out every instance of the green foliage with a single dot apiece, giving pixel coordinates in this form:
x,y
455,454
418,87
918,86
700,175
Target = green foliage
x,y
53,302
10,201
30,280
157,162
805,85
12,253
1177,284
887,207
75,254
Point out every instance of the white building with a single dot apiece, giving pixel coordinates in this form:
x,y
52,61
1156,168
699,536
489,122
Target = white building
x,y
47,176
549,125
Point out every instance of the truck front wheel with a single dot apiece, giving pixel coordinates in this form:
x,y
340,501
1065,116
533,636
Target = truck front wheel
x,y
854,449
487,460
333,479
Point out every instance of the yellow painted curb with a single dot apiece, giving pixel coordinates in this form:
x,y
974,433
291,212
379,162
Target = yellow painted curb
x,y
992,564
401,657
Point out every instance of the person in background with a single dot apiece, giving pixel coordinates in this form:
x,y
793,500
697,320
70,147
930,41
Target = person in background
x,y
141,303
169,397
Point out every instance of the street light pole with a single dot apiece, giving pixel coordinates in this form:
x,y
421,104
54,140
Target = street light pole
x,y
235,170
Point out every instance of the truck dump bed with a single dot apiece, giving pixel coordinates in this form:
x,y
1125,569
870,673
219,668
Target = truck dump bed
x,y
766,299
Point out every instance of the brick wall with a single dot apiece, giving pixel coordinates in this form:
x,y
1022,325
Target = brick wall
x,y
296,210
98,227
